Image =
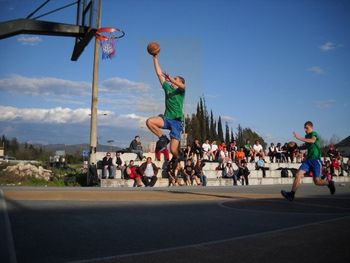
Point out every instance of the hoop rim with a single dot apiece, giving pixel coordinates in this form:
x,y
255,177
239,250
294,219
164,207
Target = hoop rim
x,y
99,33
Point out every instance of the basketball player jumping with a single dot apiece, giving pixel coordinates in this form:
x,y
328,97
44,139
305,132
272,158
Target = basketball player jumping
x,y
174,88
312,163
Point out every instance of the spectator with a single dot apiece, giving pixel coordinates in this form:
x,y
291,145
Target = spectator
x,y
206,150
248,151
260,165
133,173
229,172
280,153
243,172
188,173
165,152
119,164
149,171
258,150
292,149
214,150
136,147
332,152
198,171
174,174
233,150
326,170
188,154
108,167
240,155
335,167
272,152
197,149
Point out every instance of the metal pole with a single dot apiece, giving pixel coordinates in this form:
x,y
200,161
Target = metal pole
x,y
94,98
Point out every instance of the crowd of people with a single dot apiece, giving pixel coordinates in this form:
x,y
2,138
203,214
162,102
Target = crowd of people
x,y
195,156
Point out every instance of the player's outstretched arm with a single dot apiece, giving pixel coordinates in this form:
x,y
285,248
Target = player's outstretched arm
x,y
158,69
300,138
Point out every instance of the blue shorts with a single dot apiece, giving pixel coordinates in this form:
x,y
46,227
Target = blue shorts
x,y
175,127
314,166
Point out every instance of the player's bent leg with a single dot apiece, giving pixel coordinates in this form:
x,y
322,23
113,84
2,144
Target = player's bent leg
x,y
155,125
320,182
297,180
174,147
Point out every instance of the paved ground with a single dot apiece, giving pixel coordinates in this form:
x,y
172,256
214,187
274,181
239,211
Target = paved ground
x,y
223,224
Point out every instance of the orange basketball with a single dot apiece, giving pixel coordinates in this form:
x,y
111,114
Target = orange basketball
x,y
153,48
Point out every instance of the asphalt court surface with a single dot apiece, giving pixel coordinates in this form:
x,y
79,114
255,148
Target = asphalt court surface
x,y
216,224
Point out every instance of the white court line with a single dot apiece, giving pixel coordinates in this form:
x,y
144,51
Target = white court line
x,y
7,226
201,245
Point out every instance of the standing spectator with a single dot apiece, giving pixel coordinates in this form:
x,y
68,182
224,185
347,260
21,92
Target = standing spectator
x,y
206,150
248,150
260,165
136,147
243,172
174,174
258,150
233,150
197,149
149,171
198,171
119,164
229,172
332,152
108,167
188,172
272,152
133,173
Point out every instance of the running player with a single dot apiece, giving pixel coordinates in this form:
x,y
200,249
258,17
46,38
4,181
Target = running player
x,y
312,162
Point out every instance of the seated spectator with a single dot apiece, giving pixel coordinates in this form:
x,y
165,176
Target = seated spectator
x,y
132,172
243,172
174,174
136,147
258,150
248,150
292,149
165,152
149,171
119,164
240,155
197,149
280,153
326,170
233,150
198,172
260,165
108,167
214,150
229,172
188,173
188,153
206,150
272,152
332,152
335,167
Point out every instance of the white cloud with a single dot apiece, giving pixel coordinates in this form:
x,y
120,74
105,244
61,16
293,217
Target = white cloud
x,y
316,70
229,119
45,86
324,104
30,41
117,84
328,46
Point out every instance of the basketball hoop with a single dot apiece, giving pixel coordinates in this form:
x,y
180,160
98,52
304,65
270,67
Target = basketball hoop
x,y
107,36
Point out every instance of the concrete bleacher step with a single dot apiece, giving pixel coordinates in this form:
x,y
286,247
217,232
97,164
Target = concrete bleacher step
x,y
164,182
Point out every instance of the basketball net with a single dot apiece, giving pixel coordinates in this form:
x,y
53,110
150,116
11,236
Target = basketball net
x,y
107,37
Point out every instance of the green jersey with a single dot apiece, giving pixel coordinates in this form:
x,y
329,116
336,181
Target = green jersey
x,y
313,149
174,102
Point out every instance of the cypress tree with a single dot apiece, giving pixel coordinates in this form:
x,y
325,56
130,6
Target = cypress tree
x,y
220,131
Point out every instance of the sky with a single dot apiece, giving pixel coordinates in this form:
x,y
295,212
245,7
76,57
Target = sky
x,y
268,65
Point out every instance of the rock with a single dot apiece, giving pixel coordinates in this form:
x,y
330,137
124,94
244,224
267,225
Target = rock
x,y
28,170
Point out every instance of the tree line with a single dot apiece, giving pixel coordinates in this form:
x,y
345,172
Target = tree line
x,y
204,126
